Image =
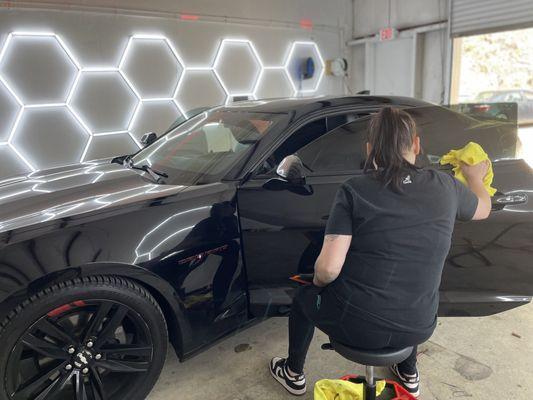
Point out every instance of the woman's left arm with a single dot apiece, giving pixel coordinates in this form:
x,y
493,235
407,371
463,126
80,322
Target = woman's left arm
x,y
331,259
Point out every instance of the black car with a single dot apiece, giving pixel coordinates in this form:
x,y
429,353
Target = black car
x,y
496,103
196,236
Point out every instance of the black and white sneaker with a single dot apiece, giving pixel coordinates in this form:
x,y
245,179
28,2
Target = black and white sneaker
x,y
410,382
294,384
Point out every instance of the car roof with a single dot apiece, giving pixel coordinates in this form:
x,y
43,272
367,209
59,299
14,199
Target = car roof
x,y
301,105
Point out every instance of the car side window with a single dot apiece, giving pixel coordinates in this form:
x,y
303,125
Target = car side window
x,y
302,137
340,151
297,140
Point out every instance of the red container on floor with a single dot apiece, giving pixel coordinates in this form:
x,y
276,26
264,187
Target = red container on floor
x,y
393,390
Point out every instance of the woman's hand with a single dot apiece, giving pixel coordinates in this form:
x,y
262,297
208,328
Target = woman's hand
x,y
474,175
476,172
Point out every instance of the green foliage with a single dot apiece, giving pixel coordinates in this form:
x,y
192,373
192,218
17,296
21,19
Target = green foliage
x,y
502,60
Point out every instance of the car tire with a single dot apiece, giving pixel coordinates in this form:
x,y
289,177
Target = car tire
x,y
113,344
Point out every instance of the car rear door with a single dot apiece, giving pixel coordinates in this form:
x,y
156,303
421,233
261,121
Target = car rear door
x,y
489,266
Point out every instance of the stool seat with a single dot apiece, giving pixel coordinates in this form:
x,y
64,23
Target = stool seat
x,y
377,358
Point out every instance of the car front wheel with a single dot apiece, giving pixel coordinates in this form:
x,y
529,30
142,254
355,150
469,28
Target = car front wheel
x,y
93,338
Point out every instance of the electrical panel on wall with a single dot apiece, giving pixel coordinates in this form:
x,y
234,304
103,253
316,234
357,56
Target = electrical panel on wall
x,y
56,111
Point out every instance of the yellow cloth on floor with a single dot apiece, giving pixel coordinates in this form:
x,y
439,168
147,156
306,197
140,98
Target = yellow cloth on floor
x,y
471,154
337,389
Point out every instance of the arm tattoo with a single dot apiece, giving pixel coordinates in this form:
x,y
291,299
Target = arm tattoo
x,y
331,238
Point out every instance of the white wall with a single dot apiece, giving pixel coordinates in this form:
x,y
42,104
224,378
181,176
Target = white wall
x,y
434,66
391,67
370,15
37,70
331,13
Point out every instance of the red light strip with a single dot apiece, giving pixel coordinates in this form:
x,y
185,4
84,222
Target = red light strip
x,y
189,17
306,24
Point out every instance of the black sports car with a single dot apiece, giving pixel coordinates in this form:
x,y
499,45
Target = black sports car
x,y
494,102
196,235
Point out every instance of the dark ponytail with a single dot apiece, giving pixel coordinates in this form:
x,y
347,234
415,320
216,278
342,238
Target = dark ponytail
x,y
390,133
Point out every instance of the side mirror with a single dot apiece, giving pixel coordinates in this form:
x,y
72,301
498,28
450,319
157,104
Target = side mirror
x,y
148,138
291,169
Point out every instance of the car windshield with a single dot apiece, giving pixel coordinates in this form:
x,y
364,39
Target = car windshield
x,y
184,117
204,148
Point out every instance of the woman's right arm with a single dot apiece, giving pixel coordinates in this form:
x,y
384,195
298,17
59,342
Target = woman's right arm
x,y
474,175
329,263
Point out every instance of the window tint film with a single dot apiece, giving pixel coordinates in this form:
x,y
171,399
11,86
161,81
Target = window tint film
x,y
295,142
305,136
341,150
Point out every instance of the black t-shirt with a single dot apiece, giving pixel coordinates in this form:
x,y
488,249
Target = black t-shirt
x,y
393,268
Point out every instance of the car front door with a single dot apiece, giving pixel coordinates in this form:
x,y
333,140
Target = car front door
x,y
283,230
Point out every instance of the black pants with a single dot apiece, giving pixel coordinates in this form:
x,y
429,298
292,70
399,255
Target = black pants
x,y
312,309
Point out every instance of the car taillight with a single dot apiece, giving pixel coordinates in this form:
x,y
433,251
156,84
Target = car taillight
x,y
482,107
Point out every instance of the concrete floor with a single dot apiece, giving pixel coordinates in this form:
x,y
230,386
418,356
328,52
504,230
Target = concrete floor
x,y
474,358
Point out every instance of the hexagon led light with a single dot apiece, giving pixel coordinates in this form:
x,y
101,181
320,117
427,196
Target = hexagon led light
x,y
227,45
286,66
140,93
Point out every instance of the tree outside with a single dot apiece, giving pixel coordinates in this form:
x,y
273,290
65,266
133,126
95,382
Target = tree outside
x,y
500,61
496,61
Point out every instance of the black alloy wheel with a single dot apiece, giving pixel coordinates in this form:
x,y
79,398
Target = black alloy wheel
x,y
97,338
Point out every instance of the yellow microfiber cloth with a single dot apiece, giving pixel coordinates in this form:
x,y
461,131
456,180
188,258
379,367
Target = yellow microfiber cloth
x,y
337,389
471,154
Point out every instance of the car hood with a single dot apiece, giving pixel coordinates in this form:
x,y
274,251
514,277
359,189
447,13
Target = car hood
x,y
82,188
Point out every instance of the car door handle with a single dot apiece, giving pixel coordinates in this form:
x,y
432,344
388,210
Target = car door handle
x,y
498,202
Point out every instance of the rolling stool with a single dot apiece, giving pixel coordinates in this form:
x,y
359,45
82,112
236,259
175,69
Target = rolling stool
x,y
370,359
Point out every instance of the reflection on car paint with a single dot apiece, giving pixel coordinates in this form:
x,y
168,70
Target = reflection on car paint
x,y
87,176
152,240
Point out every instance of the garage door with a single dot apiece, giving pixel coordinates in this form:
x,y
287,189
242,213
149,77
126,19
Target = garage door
x,y
471,17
